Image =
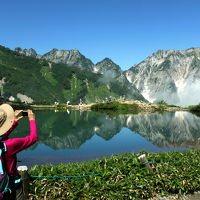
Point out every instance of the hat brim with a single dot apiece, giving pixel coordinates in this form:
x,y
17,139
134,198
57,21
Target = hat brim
x,y
9,119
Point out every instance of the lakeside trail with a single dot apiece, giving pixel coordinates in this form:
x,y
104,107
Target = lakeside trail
x,y
143,106
73,107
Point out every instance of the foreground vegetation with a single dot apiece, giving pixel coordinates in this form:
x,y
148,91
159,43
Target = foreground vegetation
x,y
120,177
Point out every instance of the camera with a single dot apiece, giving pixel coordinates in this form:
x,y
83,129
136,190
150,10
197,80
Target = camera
x,y
24,113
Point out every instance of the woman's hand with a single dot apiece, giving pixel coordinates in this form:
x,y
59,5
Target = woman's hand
x,y
17,116
31,115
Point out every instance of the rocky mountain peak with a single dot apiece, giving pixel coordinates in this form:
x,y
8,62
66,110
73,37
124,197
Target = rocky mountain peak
x,y
62,51
193,49
108,60
106,65
172,76
27,52
54,50
114,78
70,57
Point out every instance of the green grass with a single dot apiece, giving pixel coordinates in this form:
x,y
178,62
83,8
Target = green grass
x,y
120,177
47,74
162,105
194,108
122,108
114,105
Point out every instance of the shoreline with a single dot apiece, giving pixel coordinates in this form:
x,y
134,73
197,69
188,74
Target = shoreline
x,y
142,106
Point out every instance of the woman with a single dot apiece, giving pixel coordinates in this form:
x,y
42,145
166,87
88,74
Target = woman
x,y
8,121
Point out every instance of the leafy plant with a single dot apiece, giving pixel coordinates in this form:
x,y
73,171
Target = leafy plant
x,y
120,177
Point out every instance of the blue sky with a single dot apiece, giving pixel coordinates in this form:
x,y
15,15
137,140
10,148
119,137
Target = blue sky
x,y
127,31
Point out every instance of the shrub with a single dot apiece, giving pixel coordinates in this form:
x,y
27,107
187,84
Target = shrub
x,y
114,106
195,108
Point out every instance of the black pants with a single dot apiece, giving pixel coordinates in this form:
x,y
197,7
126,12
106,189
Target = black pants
x,y
20,192
17,193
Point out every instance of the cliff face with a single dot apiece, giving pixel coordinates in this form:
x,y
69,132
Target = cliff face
x,y
27,52
172,76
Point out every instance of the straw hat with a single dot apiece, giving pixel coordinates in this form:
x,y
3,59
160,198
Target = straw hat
x,y
6,118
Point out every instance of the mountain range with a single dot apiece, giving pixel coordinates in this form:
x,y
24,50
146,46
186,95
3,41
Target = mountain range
x,y
111,74
172,76
59,75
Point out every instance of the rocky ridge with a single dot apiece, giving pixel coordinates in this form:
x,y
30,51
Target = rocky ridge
x,y
69,57
27,52
172,76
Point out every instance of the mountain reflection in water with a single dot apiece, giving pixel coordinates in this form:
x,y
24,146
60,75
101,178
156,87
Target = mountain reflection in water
x,y
75,135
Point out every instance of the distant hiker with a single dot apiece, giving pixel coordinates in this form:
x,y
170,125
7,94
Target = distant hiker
x,y
81,102
109,98
56,104
10,147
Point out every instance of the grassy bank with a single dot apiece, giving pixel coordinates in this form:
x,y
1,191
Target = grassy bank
x,y
195,108
133,106
120,177
116,107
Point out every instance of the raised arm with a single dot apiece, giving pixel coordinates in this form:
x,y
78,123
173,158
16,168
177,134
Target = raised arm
x,y
16,145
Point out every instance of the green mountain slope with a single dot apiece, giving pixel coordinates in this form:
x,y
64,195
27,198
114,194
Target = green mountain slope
x,y
42,80
28,77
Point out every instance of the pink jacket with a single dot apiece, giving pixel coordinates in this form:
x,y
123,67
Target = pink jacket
x,y
15,145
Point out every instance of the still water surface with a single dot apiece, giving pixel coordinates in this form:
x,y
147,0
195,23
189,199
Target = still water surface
x,y
75,136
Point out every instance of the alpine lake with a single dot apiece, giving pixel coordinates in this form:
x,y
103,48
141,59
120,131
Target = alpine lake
x,y
73,136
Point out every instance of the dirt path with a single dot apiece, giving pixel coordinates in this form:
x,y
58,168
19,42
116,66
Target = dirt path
x,y
195,196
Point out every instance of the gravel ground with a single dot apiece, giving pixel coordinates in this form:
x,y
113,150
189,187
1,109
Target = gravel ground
x,y
195,196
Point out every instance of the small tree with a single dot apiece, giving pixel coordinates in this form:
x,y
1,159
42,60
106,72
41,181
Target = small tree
x,y
162,102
